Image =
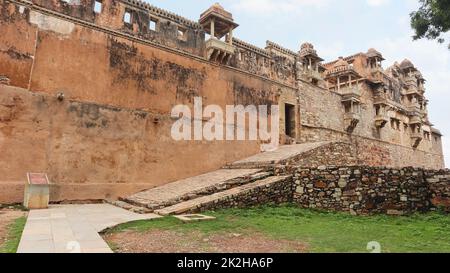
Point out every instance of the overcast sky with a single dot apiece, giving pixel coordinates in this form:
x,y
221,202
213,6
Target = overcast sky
x,y
341,28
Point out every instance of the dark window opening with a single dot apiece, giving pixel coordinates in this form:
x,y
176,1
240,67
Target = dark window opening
x,y
290,120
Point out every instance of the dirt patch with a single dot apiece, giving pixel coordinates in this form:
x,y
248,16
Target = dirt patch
x,y
7,217
168,241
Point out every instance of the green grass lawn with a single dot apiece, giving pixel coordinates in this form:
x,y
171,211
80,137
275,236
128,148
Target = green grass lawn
x,y
322,231
14,234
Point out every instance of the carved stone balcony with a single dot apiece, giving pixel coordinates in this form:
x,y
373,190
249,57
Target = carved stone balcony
x,y
376,74
351,120
380,99
351,94
414,109
416,138
312,74
411,81
411,87
381,120
412,90
219,51
421,89
415,120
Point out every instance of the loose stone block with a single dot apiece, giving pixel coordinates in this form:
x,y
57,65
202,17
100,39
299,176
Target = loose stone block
x,y
194,218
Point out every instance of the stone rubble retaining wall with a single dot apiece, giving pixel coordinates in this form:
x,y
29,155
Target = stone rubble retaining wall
x,y
439,185
369,190
334,153
275,193
359,190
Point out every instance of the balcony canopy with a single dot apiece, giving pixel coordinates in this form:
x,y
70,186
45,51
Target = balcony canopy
x,y
217,21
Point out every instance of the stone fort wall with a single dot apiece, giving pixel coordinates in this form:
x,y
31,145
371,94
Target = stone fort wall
x,y
110,135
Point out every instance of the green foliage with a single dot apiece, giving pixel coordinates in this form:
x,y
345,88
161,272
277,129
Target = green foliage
x,y
14,235
432,20
322,231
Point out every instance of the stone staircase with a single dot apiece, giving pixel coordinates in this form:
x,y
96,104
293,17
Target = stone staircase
x,y
246,178
202,203
189,189
281,155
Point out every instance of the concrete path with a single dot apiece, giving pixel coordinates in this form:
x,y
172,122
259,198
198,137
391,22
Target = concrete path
x,y
73,228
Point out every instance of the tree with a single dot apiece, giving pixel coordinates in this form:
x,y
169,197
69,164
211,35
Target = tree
x,y
432,20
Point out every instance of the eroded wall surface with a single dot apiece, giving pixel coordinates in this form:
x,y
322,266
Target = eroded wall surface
x,y
110,134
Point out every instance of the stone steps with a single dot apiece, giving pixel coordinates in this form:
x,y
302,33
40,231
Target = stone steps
x,y
268,160
191,188
128,206
194,205
213,184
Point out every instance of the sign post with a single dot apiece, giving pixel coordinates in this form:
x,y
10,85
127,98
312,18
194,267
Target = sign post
x,y
37,191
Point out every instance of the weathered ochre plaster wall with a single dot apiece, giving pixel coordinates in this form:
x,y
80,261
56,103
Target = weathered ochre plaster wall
x,y
111,134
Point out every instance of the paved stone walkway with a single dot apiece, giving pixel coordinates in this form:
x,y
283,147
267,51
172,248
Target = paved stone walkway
x,y
73,228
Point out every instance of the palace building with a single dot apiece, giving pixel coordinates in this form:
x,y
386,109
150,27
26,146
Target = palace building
x,y
87,88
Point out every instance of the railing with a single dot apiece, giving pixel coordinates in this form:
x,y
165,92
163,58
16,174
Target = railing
x,y
411,81
416,135
312,74
414,107
351,120
349,93
415,120
412,90
352,116
381,120
219,45
381,98
376,69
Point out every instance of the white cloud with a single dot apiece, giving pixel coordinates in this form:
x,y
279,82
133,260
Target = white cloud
x,y
330,51
269,7
377,3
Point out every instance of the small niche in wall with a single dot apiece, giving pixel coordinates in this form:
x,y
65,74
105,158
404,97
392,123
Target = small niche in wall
x,y
127,17
182,34
153,24
98,5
